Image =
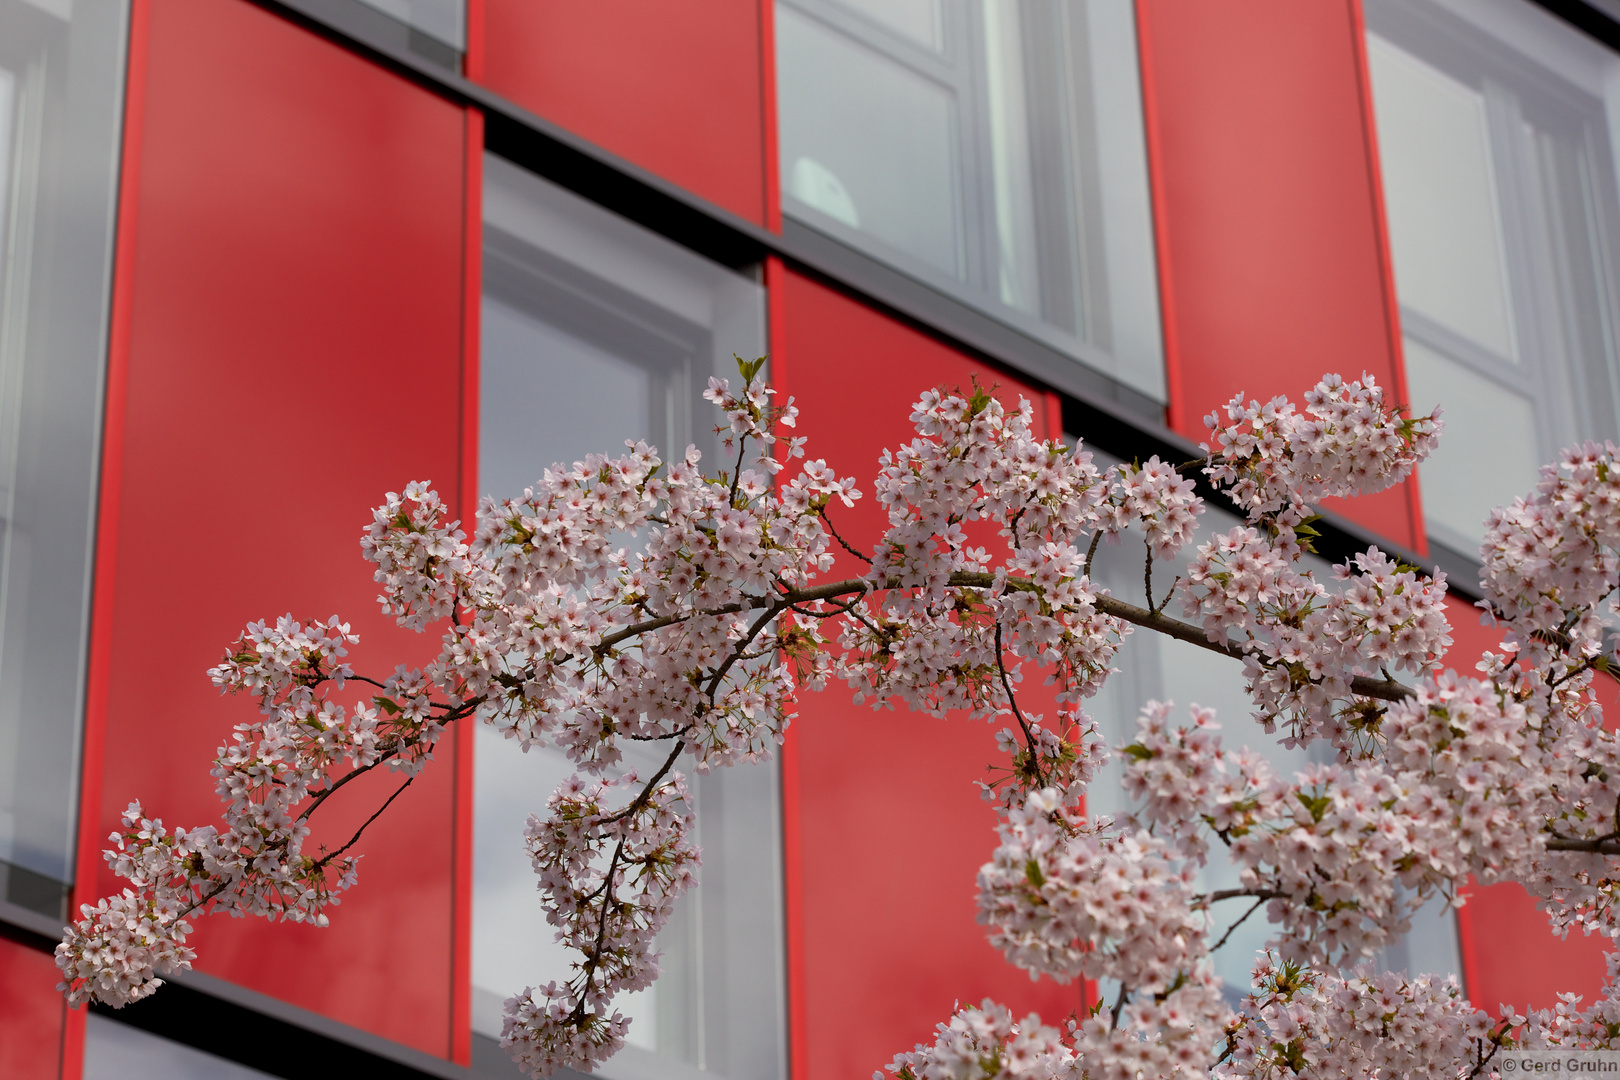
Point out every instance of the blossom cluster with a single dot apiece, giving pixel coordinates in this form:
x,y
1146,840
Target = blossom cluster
x,y
1067,898
1157,499
1276,462
610,875
984,1043
934,634
1304,644
632,597
1299,1022
257,865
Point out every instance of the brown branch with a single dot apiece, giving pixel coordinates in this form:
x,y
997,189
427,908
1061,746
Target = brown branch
x,y
593,959
1598,845
1360,685
1012,699
741,646
607,641
324,859
1241,919
1091,549
1232,894
1119,1006
822,513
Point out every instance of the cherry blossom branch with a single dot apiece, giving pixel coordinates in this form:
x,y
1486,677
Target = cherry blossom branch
x,y
593,957
1241,920
827,521
329,856
1600,845
1012,702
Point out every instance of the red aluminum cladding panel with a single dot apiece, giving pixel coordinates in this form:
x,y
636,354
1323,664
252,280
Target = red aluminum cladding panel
x,y
884,828
1509,954
31,1014
287,348
676,89
1273,262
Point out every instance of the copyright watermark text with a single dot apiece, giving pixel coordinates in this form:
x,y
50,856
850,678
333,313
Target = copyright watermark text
x,y
1516,1063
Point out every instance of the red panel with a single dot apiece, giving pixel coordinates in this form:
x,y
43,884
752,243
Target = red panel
x,y
771,148
287,347
885,830
472,62
674,88
31,1014
1509,955
1270,236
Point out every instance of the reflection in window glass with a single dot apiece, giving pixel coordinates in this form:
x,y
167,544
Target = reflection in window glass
x,y
1494,123
920,20
1003,162
61,79
1154,667
1440,190
115,1051
899,182
596,331
1457,492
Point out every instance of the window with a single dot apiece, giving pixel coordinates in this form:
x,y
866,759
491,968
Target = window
x,y
992,150
61,84
1154,667
596,331
1495,133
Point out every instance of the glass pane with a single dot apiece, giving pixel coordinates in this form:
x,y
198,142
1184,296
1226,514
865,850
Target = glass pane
x,y
868,143
1018,277
1489,453
596,331
1009,171
547,397
445,20
1440,191
550,397
115,1051
920,20
61,81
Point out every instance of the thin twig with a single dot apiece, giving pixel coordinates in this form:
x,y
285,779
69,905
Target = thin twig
x,y
1012,699
324,859
737,650
742,452
1232,894
841,541
389,751
1252,909
593,959
1091,549
1147,575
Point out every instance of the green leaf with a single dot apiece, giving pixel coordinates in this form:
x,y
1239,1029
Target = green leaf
x,y
1032,871
1316,804
1139,752
748,368
980,399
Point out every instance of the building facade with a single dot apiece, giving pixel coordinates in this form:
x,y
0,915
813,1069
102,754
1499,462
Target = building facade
x,y
262,261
